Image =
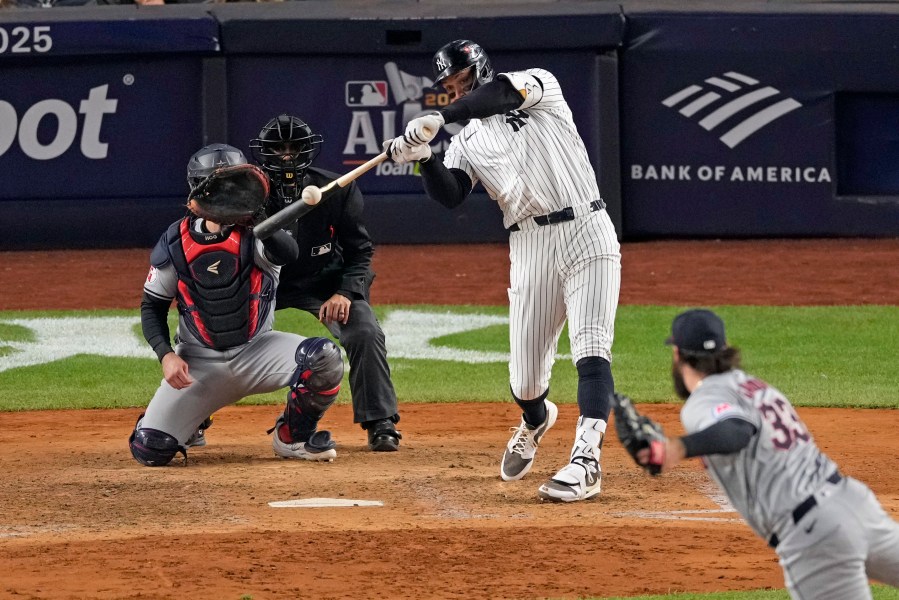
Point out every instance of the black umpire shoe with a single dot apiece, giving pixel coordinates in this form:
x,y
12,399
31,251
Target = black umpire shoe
x,y
383,436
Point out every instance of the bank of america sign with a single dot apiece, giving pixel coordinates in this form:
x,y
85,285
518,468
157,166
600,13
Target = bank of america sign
x,y
729,97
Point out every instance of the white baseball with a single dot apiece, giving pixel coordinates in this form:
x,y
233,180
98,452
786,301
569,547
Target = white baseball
x,y
311,195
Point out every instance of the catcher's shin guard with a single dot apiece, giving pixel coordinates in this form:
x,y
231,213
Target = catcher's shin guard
x,y
314,388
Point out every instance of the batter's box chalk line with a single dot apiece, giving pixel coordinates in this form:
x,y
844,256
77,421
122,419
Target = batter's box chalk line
x,y
323,503
683,515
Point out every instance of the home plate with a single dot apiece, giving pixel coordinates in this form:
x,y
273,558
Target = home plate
x,y
323,502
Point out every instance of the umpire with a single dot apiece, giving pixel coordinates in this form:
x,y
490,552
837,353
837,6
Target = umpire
x,y
332,277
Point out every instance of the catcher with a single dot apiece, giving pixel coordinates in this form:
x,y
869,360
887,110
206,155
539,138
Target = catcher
x,y
224,281
829,530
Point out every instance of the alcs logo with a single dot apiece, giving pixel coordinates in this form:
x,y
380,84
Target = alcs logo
x,y
93,108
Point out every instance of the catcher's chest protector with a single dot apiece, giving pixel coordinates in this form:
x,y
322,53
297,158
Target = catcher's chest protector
x,y
222,294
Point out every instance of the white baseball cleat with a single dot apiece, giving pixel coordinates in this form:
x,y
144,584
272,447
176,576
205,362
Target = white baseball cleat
x,y
318,447
578,480
522,447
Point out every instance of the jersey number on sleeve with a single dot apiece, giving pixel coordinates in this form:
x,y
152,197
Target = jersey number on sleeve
x,y
788,427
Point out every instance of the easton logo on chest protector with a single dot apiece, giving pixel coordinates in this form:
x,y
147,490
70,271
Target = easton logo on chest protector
x,y
222,295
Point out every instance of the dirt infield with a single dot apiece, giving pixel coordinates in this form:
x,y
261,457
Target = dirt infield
x,y
786,272
79,519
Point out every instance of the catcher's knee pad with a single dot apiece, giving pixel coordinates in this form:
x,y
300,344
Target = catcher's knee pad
x,y
314,385
319,367
152,447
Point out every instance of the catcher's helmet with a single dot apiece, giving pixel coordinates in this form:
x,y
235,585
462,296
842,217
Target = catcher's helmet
x,y
209,158
460,55
284,149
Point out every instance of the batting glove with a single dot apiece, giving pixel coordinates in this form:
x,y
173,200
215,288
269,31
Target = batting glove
x,y
402,151
424,129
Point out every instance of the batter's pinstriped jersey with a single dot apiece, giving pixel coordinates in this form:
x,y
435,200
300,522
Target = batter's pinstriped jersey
x,y
531,160
779,468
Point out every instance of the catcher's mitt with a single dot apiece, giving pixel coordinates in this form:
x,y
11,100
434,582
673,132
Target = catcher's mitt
x,y
230,195
637,432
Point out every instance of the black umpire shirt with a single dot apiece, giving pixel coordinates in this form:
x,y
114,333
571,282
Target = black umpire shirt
x,y
335,248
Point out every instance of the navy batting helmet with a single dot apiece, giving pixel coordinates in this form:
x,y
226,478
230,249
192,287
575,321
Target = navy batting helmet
x,y
284,149
209,158
460,55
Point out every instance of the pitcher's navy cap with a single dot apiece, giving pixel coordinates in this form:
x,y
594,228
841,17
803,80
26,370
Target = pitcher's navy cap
x,y
698,331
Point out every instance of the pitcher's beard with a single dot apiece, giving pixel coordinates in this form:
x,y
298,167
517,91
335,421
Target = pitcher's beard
x,y
680,388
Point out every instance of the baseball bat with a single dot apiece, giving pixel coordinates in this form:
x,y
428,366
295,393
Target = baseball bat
x,y
291,213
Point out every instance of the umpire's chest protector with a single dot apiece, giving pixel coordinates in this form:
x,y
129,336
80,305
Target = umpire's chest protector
x,y
222,295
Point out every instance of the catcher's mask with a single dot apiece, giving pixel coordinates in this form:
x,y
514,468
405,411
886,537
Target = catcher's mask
x,y
284,149
209,158
459,55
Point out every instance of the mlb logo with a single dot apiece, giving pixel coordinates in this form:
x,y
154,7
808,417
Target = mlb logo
x,y
366,93
320,250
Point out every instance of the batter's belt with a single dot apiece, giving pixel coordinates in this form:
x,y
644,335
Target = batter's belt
x,y
560,216
803,507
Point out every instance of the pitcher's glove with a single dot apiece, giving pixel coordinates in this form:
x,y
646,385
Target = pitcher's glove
x,y
637,432
230,195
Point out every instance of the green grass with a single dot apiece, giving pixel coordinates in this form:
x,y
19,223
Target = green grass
x,y
880,593
818,356
15,333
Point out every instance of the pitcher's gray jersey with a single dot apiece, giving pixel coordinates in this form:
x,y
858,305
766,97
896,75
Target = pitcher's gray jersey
x,y
779,468
829,530
531,160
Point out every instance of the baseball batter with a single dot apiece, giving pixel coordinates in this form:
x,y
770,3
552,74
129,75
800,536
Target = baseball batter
x,y
828,529
224,281
520,142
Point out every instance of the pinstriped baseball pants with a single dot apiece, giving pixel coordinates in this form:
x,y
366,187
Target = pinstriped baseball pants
x,y
565,271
